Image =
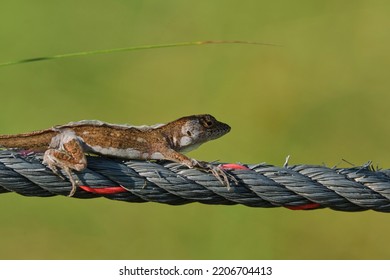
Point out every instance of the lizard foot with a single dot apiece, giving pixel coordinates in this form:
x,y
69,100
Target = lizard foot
x,y
72,180
55,168
219,172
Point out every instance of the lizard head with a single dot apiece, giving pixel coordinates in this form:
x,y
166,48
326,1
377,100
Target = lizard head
x,y
195,130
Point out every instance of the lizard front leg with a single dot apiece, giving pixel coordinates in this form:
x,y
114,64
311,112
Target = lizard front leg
x,y
66,152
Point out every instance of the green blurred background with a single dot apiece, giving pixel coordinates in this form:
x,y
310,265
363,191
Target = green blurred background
x,y
321,97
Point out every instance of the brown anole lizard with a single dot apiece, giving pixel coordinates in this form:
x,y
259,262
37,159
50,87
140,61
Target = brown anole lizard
x,y
65,146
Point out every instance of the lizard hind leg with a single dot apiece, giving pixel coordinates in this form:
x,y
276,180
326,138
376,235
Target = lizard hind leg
x,y
66,153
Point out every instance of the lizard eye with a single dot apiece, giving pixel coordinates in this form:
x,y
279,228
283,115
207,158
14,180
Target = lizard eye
x,y
189,133
207,122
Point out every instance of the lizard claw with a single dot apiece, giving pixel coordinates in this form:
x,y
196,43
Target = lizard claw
x,y
55,169
69,173
219,172
72,180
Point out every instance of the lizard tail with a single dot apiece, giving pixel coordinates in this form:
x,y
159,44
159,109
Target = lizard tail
x,y
37,141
